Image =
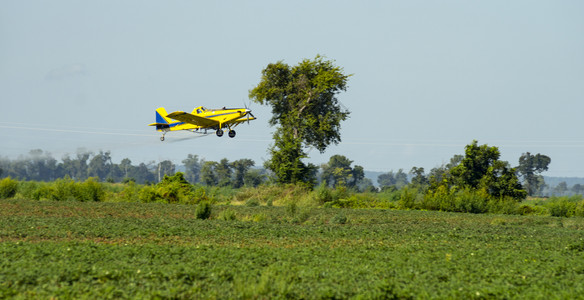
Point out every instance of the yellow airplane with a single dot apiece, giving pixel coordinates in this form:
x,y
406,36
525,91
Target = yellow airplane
x,y
202,118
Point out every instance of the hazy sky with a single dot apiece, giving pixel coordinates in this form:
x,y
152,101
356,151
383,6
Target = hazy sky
x,y
428,76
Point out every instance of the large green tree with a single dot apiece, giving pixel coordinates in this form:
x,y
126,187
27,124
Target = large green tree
x,y
480,168
305,111
530,168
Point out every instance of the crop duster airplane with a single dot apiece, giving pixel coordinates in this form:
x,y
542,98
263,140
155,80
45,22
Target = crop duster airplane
x,y
202,118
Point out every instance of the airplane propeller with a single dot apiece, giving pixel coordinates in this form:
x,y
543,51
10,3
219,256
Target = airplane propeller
x,y
248,111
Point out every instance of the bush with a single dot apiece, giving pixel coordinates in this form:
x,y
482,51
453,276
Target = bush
x,y
203,211
562,207
359,201
508,206
90,190
579,212
130,193
227,215
407,199
27,189
148,194
8,188
469,201
322,194
63,189
439,199
339,218
252,202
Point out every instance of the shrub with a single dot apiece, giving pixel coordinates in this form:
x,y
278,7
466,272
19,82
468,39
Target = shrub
x,y
8,188
339,218
27,189
175,189
525,210
261,217
579,211
358,201
322,194
130,193
64,189
471,201
508,206
252,202
407,199
148,194
302,217
200,195
439,199
562,208
203,211
291,209
43,192
90,190
227,215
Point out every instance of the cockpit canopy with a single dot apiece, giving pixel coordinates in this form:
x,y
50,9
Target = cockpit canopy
x,y
200,109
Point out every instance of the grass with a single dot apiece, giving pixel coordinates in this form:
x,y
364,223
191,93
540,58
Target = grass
x,y
150,250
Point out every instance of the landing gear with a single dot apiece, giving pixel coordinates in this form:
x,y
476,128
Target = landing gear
x,y
162,138
220,132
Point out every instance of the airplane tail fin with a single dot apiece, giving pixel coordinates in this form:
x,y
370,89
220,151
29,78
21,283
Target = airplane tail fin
x,y
162,122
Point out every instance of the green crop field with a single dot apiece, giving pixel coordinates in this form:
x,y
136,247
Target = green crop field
x,y
72,250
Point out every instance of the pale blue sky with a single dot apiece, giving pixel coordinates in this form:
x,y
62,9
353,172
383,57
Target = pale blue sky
x,y
428,76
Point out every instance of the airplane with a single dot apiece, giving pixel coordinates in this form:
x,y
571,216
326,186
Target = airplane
x,y
202,118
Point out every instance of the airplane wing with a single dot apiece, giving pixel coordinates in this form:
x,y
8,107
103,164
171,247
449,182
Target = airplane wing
x,y
192,119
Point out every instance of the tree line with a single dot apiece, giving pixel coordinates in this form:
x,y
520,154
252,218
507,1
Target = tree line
x,y
479,168
39,165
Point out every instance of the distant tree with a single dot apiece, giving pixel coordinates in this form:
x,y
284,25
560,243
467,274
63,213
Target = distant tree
x,y
418,177
125,167
530,166
438,175
144,173
208,176
100,165
76,168
254,177
560,189
390,179
306,111
165,167
193,168
577,188
366,185
240,168
338,172
39,166
223,171
481,168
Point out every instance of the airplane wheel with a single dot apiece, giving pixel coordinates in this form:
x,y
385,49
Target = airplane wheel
x,y
219,132
231,133
162,139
